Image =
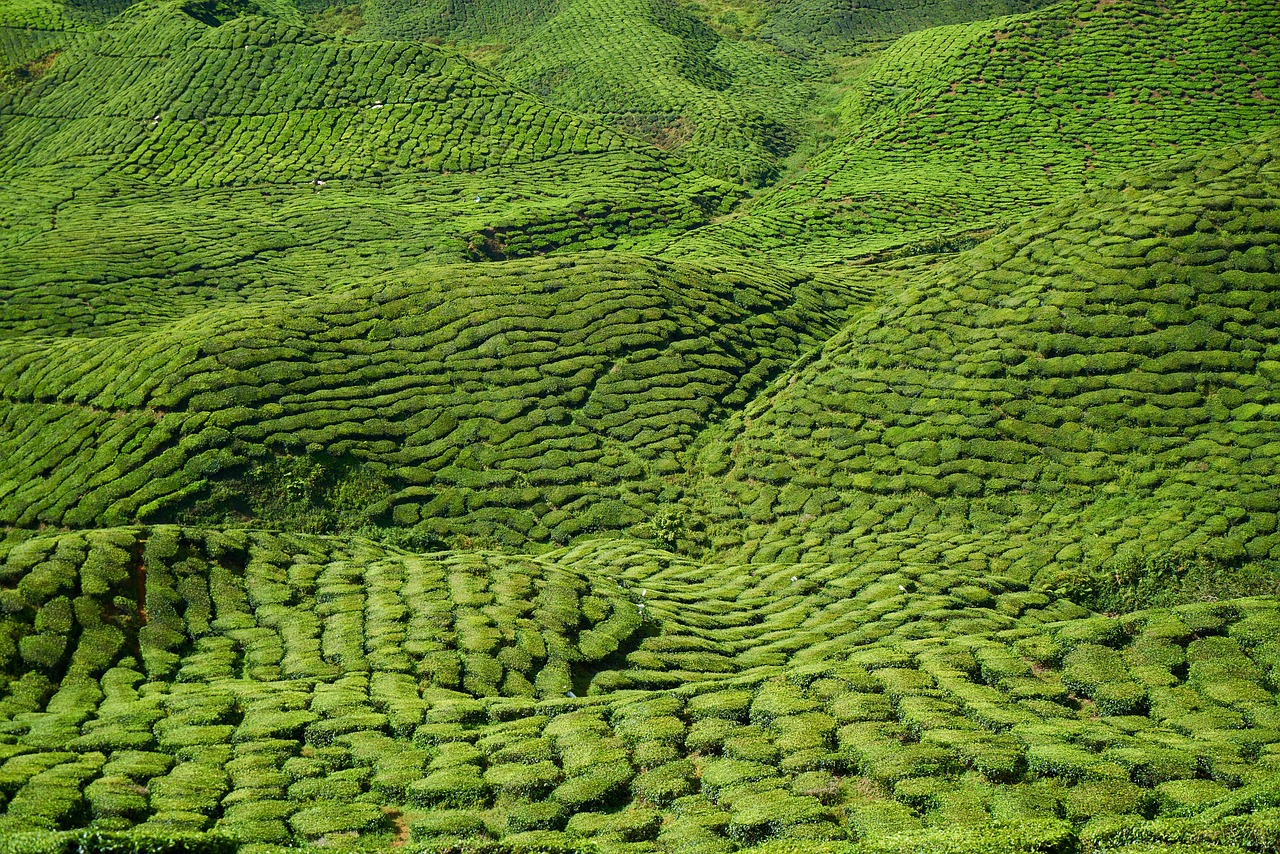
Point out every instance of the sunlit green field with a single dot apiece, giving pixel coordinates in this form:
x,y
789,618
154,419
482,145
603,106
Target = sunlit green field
x,y
639,426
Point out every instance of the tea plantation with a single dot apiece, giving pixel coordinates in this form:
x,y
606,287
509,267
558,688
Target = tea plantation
x,y
639,426
1095,385
974,125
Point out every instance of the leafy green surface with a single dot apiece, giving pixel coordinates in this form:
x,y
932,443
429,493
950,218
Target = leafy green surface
x,y
639,427
1090,387
976,124
268,686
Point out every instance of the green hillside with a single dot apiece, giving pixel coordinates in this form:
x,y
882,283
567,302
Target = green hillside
x,y
257,158
639,427
958,128
528,400
1095,385
813,26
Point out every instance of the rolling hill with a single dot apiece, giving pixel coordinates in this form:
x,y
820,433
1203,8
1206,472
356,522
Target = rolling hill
x,y
1096,383
639,427
963,128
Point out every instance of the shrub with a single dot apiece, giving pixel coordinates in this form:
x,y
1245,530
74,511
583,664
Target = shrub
x,y
855,706
523,781
140,841
1100,673
1183,796
598,786
666,783
708,734
328,817
323,732
730,705
721,774
1071,763
756,817
117,796
262,724
541,815
459,786
137,765
1105,797
778,700
456,823
189,787
538,842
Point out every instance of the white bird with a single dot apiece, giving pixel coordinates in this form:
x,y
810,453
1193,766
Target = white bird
x,y
903,589
793,578
644,592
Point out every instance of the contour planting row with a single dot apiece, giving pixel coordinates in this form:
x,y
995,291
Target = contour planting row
x,y
850,26
537,400
655,70
116,257
283,688
1100,380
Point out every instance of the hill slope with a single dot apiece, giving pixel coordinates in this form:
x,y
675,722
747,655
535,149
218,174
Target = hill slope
x,y
393,459
279,687
1098,382
964,127
257,157
532,399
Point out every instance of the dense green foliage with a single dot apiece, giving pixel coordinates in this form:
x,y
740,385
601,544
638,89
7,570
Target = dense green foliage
x,y
1094,386
272,687
536,400
639,426
971,125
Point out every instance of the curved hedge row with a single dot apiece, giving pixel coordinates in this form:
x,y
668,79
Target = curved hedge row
x,y
283,688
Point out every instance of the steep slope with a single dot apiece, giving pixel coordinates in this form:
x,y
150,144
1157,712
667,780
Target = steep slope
x,y
527,400
34,32
285,688
1094,386
965,127
734,87
244,156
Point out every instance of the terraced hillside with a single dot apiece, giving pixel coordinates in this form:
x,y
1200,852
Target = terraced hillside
x,y
639,427
258,158
532,400
732,87
809,26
